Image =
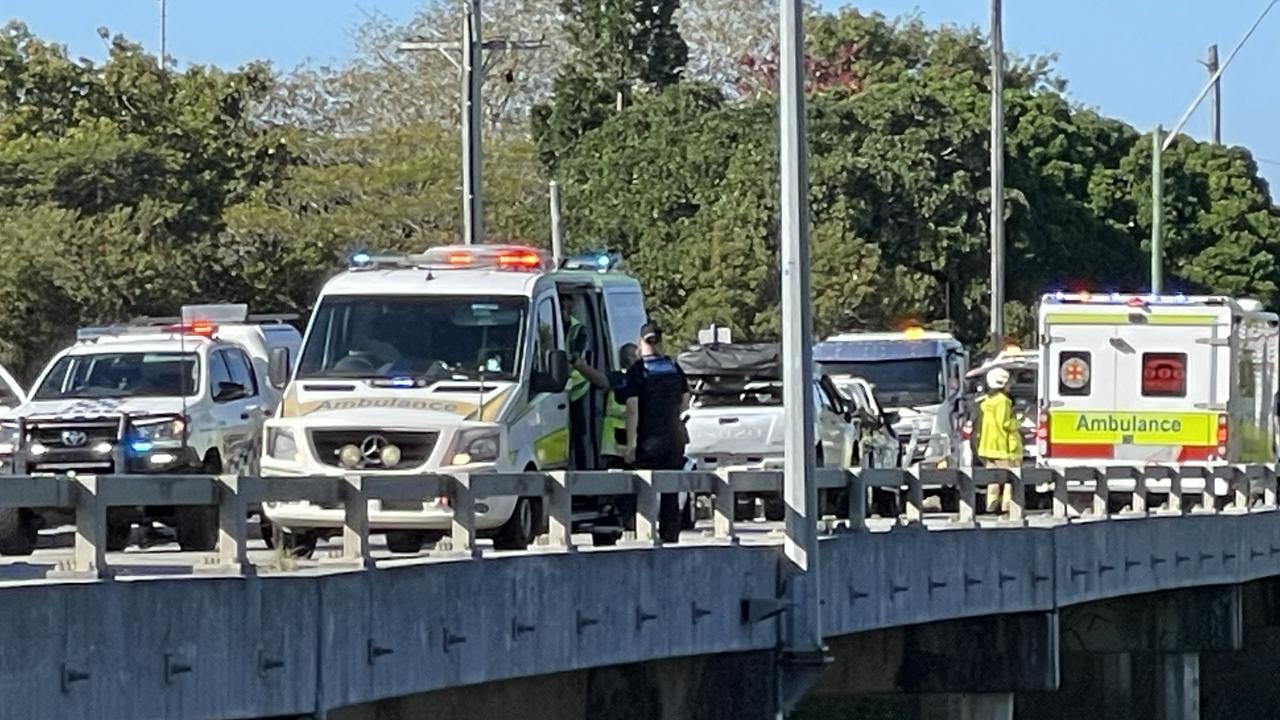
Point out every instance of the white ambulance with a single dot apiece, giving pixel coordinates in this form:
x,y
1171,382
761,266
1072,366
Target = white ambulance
x,y
1155,379
452,360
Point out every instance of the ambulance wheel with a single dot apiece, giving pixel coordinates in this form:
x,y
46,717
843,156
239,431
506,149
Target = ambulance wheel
x,y
267,531
605,538
775,509
406,541
518,532
17,532
297,544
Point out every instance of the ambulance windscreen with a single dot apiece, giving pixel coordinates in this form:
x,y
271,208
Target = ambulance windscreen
x,y
423,338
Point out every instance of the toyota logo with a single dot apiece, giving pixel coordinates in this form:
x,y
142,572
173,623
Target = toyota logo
x,y
74,438
371,448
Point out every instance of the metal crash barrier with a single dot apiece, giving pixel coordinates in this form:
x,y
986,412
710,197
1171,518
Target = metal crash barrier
x,y
1249,488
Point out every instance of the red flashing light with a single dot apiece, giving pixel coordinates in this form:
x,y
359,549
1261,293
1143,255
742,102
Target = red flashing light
x,y
519,260
1136,302
203,328
460,258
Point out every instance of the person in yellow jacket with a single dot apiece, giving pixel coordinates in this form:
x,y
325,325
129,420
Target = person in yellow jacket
x,y
999,436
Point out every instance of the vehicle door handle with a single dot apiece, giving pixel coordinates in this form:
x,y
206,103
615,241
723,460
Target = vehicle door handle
x,y
561,406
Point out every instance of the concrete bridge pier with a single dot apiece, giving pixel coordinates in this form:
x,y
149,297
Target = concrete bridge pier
x,y
1139,657
967,669
735,686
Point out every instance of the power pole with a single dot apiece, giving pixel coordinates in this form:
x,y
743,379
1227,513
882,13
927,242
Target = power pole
x,y
164,23
1157,172
471,66
997,178
1215,96
803,653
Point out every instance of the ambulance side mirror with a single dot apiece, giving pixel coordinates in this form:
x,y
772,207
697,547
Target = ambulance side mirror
x,y
278,367
555,377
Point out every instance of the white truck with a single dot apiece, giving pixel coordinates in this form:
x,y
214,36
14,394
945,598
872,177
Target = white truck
x,y
451,360
917,374
158,396
1145,380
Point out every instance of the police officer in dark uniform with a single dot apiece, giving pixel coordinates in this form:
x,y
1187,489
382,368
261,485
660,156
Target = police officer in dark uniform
x,y
656,393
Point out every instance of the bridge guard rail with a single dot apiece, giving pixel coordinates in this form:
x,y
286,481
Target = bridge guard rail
x,y
1249,488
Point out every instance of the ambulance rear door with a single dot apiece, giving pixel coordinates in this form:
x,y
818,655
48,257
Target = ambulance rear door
x,y
1173,372
1077,380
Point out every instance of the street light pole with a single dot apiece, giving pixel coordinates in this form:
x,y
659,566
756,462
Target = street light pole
x,y
1157,214
802,635
997,178
1159,145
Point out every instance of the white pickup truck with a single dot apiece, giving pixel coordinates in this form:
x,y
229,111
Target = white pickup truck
x,y
736,417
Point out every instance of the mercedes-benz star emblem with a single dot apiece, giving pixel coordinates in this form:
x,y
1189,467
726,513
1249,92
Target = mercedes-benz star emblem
x,y
74,438
371,448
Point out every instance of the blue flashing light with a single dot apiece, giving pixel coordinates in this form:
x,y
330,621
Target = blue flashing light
x,y
141,446
1181,298
403,382
361,259
1060,296
603,262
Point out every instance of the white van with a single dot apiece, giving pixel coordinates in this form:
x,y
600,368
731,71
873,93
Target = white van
x,y
1156,379
452,360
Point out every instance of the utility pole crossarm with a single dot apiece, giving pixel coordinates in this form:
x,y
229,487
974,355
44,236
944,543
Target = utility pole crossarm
x,y
471,63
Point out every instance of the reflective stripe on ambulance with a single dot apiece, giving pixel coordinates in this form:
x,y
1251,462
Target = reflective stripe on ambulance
x,y
1098,434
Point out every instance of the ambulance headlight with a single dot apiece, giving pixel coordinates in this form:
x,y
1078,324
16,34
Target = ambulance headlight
x,y
281,444
164,432
476,445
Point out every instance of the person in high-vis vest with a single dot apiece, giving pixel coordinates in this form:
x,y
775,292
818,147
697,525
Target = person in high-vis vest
x,y
999,436
579,386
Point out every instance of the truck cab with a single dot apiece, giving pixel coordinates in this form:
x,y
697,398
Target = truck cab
x,y
917,374
453,360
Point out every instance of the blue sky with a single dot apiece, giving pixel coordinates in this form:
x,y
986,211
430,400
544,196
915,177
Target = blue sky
x,y
1134,59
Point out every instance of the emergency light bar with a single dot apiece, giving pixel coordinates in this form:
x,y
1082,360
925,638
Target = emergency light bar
x,y
458,257
1130,299
597,261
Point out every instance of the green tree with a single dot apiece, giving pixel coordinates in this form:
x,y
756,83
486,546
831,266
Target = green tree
x,y
619,48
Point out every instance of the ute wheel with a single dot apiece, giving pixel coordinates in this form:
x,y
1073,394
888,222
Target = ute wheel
x,y
197,525
406,541
522,528
118,536
17,532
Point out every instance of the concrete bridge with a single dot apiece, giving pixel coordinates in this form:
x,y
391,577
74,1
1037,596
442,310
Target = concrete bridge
x,y
978,609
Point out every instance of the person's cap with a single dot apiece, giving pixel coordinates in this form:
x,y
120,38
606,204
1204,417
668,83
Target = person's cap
x,y
651,332
998,378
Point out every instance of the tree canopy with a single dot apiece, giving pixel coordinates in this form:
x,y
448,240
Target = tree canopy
x,y
128,190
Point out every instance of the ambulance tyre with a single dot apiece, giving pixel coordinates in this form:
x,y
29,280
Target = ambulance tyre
x,y
299,544
406,541
197,525
118,532
17,532
518,532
